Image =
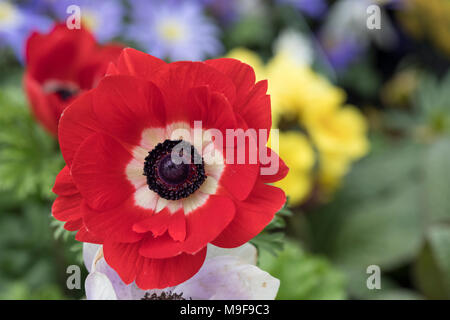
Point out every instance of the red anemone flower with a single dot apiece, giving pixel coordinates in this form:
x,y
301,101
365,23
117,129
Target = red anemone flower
x,y
60,65
120,188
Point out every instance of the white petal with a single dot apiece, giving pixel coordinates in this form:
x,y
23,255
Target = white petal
x,y
228,278
194,201
98,287
151,137
180,131
247,253
260,283
135,173
209,186
122,290
146,198
214,161
90,250
161,204
139,154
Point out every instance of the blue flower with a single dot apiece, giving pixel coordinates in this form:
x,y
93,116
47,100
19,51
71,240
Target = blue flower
x,y
104,18
16,24
174,30
312,8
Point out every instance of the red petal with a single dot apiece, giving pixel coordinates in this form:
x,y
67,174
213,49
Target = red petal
x,y
239,179
240,73
84,235
212,108
77,123
241,157
116,224
163,273
252,102
123,257
73,225
43,110
162,247
95,66
157,223
136,63
252,215
98,170
255,109
58,54
151,273
203,225
126,105
64,185
206,222
275,174
67,208
177,228
176,80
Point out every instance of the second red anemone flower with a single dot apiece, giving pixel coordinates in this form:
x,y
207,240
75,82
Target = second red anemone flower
x,y
121,188
59,66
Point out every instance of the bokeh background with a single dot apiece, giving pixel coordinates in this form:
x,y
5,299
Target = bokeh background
x,y
364,119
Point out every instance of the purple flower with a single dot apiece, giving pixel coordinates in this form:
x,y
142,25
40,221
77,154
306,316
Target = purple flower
x,y
343,53
312,8
174,30
16,24
103,17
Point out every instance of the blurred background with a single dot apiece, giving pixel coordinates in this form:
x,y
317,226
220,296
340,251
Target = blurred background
x,y
360,92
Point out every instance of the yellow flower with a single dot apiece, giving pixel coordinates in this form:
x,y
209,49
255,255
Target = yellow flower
x,y
296,87
297,153
338,131
332,168
287,81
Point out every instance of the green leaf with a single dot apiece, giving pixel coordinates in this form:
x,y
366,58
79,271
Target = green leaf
x,y
432,270
251,31
272,237
383,172
376,219
29,157
386,231
433,102
436,187
302,275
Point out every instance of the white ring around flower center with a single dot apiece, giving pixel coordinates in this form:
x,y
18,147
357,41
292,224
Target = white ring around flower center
x,y
148,199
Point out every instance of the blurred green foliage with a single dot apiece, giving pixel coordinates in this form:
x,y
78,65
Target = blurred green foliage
x,y
33,253
302,275
272,238
29,157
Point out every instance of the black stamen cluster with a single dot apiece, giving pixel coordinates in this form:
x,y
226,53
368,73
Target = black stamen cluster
x,y
173,181
163,296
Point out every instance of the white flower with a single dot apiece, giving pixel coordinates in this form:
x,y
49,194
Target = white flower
x,y
347,19
296,44
229,274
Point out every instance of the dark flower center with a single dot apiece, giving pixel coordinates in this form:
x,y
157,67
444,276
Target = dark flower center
x,y
65,94
64,90
174,169
163,296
